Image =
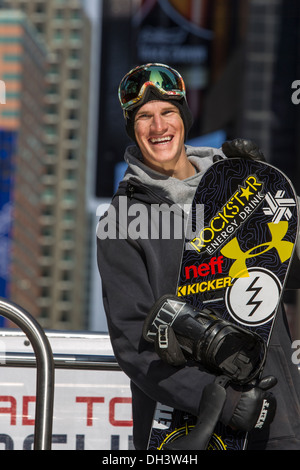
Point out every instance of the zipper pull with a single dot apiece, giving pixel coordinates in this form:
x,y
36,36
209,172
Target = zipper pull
x,y
130,191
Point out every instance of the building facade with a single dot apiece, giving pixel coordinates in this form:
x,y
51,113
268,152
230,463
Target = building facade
x,y
62,241
23,69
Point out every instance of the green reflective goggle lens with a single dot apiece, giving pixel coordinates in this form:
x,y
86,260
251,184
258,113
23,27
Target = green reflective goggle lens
x,y
133,86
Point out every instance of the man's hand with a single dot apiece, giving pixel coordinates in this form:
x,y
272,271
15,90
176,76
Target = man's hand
x,y
256,407
242,148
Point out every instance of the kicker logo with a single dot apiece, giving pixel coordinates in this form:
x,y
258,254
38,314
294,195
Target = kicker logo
x,y
204,286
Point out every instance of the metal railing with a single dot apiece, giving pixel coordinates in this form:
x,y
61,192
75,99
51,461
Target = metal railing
x,y
45,371
61,361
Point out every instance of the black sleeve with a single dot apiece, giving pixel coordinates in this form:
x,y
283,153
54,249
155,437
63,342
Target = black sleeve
x,y
293,279
128,296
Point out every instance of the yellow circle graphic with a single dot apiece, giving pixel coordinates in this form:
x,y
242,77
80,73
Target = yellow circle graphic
x,y
215,442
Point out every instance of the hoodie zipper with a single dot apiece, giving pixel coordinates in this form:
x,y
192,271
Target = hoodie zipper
x,y
133,185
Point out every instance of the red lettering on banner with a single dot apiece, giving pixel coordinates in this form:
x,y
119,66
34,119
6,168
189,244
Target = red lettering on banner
x,y
25,419
89,401
112,406
12,409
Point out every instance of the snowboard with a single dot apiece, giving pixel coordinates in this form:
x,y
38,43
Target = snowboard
x,y
239,243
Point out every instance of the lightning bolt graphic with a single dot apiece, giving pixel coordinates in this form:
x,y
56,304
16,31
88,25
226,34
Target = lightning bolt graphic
x,y
256,290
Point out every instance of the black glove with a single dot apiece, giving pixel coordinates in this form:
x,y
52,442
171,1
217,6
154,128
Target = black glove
x,y
242,148
180,331
256,407
167,346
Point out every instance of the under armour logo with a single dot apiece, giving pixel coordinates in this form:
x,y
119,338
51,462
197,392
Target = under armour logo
x,y
233,251
279,206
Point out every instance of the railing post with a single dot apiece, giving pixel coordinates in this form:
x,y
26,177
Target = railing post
x,y
44,372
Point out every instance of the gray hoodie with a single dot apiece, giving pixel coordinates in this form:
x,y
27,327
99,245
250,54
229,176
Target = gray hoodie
x,y
180,192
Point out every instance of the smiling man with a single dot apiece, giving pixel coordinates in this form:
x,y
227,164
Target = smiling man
x,y
136,272
160,132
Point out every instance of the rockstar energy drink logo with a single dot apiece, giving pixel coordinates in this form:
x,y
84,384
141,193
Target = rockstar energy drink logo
x,y
233,251
236,210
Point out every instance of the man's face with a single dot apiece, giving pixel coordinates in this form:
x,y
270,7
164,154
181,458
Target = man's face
x,y
159,132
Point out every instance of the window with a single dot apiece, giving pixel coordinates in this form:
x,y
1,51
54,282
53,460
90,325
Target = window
x,y
48,194
74,74
47,211
66,275
59,14
58,34
68,235
65,296
68,217
74,54
40,7
72,134
70,174
11,57
46,272
75,14
53,89
46,251
47,232
67,255
45,292
73,114
69,196
50,130
71,154
53,69
50,150
52,109
9,113
40,28
49,170
75,34
12,76
74,94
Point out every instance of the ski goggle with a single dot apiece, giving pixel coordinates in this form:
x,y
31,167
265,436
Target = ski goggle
x,y
135,83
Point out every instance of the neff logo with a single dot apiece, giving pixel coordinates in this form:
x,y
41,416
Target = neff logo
x,y
263,414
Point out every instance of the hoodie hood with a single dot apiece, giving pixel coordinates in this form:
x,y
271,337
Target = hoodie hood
x,y
179,191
